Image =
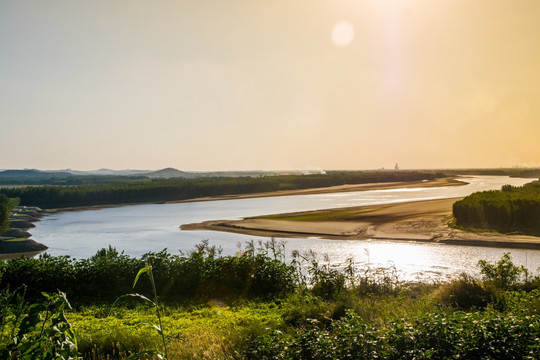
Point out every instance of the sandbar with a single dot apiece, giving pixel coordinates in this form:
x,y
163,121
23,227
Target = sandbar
x,y
417,221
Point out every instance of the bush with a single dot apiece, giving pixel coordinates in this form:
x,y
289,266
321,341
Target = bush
x,y
464,293
479,335
200,275
43,337
301,306
523,302
503,274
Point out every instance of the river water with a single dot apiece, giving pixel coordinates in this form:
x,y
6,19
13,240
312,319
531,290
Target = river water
x,y
137,229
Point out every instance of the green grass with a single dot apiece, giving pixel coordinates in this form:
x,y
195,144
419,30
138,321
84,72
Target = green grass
x,y
17,239
203,332
211,332
330,215
413,318
410,323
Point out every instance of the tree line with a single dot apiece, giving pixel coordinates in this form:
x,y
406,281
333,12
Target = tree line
x,y
182,189
513,208
6,204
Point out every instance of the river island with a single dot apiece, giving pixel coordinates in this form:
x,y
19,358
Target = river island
x,y
418,221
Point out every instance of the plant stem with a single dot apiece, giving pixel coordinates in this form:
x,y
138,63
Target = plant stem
x,y
157,311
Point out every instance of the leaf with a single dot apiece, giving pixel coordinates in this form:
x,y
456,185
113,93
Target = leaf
x,y
142,271
158,329
136,295
146,352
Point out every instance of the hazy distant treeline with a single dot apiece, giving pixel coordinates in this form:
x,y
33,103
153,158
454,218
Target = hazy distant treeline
x,y
509,209
513,172
181,189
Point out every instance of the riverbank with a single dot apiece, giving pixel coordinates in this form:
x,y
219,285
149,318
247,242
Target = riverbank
x,y
418,221
16,242
446,181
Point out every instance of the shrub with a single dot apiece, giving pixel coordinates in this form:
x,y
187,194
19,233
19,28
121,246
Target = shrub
x,y
523,302
463,293
379,281
326,280
479,335
503,274
44,337
109,274
301,306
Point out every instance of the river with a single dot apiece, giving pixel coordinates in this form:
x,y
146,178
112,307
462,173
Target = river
x,y
137,229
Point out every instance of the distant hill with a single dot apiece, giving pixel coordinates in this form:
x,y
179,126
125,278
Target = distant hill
x,y
109,172
32,173
37,177
169,173
102,176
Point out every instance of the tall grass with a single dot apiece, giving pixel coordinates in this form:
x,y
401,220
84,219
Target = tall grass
x,y
347,311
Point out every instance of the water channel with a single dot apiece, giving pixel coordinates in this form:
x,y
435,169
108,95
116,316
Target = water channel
x,y
137,229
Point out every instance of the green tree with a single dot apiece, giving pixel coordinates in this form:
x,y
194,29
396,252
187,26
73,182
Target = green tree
x,y
504,274
6,204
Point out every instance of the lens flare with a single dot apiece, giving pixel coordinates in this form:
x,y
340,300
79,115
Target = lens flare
x,y
342,33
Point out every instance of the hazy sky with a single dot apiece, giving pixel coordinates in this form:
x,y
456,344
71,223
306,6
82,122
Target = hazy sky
x,y
259,84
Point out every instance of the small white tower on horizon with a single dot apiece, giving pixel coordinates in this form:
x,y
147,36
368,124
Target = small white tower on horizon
x,y
396,167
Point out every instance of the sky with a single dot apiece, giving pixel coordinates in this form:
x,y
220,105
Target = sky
x,y
269,85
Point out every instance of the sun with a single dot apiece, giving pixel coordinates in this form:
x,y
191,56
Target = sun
x,y
342,33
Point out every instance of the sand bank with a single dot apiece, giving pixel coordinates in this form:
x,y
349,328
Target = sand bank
x,y
421,221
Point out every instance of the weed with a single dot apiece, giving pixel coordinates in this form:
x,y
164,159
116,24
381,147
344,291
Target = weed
x,y
44,333
147,269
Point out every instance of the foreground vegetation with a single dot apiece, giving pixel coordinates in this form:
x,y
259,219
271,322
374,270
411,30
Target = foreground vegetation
x,y
255,306
510,209
182,189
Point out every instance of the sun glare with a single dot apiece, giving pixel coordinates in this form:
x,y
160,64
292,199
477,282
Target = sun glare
x,y
342,34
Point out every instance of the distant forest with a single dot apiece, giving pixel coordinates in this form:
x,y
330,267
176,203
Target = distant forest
x,y
139,191
513,172
36,177
509,209
101,177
